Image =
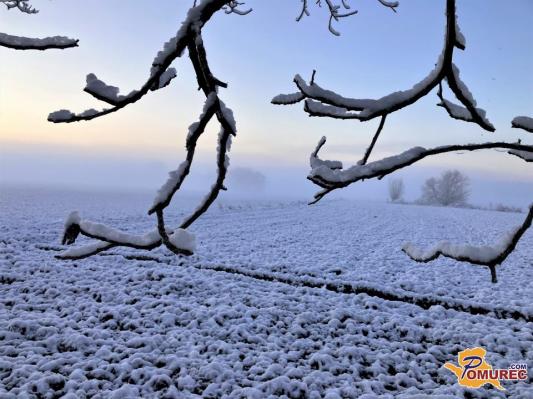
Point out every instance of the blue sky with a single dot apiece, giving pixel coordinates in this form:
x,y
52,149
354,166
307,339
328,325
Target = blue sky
x,y
378,52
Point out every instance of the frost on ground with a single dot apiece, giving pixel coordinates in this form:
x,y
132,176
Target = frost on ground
x,y
150,324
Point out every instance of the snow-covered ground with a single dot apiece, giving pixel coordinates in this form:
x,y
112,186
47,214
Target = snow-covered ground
x,y
281,300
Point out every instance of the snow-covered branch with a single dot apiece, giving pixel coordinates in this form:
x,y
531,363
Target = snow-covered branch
x,y
490,256
176,177
325,103
525,155
462,113
178,241
330,175
160,73
334,178
104,92
214,106
27,43
233,7
108,237
22,5
523,122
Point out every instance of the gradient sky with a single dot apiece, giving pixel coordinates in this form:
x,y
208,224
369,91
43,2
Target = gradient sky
x,y
378,52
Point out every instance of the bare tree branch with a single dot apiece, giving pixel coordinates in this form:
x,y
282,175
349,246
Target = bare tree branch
x,y
374,140
338,11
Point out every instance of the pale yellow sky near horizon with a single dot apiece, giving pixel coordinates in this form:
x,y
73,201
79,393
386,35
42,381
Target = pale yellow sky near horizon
x,y
32,84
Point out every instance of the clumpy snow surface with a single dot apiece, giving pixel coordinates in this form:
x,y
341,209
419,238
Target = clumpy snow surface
x,y
237,319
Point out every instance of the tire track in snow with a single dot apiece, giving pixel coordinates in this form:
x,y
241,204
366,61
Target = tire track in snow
x,y
424,302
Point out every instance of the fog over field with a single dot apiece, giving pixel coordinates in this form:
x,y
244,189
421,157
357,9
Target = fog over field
x,y
49,166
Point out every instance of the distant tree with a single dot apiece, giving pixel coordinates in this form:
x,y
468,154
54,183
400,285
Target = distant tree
x,y
453,188
396,189
450,189
430,192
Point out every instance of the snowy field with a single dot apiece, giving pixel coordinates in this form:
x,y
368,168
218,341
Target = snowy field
x,y
281,300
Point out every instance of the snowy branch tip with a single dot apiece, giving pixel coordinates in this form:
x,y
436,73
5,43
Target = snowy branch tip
x,y
490,256
27,43
523,122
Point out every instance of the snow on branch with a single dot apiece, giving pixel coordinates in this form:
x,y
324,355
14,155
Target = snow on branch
x,y
212,107
490,256
462,113
160,74
525,155
331,179
233,8
26,43
459,88
325,103
179,241
225,117
22,5
316,162
85,251
523,122
104,92
108,237
176,177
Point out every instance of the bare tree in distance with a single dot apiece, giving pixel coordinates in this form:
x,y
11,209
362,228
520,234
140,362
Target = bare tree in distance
x,y
450,189
27,43
331,175
396,189
430,192
453,188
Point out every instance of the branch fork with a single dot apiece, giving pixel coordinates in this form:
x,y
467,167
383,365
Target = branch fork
x,y
330,175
